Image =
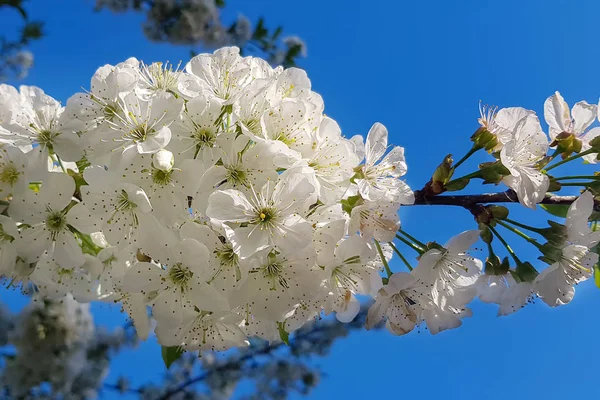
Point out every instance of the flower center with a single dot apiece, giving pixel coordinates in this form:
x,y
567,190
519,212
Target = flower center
x,y
46,138
204,137
265,216
56,221
161,177
272,272
139,134
180,275
123,202
9,174
110,111
283,137
227,256
236,176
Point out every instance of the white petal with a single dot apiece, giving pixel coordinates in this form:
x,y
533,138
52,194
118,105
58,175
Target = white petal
x,y
376,143
67,252
229,205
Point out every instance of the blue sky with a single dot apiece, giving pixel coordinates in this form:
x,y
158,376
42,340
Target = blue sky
x,y
420,68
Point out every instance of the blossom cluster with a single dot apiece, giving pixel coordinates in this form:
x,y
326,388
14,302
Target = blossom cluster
x,y
55,342
223,199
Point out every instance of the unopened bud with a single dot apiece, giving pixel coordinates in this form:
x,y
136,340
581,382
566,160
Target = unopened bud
x,y
163,160
493,172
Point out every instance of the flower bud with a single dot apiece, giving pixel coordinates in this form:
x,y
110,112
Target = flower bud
x,y
486,234
443,172
493,172
163,160
498,212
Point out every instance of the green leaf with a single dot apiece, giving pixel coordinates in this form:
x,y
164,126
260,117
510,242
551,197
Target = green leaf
x,y
283,334
457,185
597,275
558,210
170,354
349,203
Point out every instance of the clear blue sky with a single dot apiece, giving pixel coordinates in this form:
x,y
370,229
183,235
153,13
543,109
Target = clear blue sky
x,y
420,68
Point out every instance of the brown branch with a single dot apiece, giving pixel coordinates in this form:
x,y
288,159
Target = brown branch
x,y
470,200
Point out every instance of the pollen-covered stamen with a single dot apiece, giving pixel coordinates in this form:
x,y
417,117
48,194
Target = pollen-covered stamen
x,y
344,277
46,137
228,260
180,275
110,111
374,217
123,202
162,178
253,125
63,273
56,221
204,137
273,272
265,217
236,176
487,117
139,133
285,138
9,173
159,76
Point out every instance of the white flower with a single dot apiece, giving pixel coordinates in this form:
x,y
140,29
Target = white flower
x,y
527,147
226,271
138,127
87,112
34,118
349,273
333,159
165,181
381,180
375,219
273,216
243,165
401,303
50,216
277,284
13,171
224,74
576,121
158,78
451,272
195,132
178,283
114,207
55,281
204,331
503,290
573,260
501,122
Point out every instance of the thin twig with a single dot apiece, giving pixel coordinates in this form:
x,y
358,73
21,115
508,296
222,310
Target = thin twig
x,y
470,200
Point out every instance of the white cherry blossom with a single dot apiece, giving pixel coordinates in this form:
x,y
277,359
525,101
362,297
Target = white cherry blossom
x,y
527,147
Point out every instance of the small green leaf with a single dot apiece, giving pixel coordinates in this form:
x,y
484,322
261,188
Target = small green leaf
x,y
558,210
170,354
459,184
283,334
597,275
